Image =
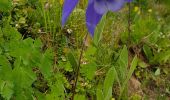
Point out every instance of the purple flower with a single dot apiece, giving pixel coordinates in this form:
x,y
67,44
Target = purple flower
x,y
95,10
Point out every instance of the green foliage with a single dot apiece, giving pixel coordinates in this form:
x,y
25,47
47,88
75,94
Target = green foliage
x,y
88,70
57,92
99,31
6,89
18,59
129,74
39,59
108,83
5,5
72,61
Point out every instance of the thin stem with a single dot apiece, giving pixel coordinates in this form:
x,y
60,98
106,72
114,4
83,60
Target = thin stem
x,y
78,67
129,25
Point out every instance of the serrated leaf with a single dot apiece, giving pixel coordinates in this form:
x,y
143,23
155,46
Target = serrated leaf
x,y
57,92
5,68
6,89
11,32
23,77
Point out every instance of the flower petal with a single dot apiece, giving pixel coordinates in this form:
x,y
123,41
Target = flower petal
x,y
92,18
115,5
68,7
128,0
100,6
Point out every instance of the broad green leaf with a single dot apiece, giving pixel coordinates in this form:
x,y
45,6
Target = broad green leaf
x,y
108,83
99,93
46,63
23,78
38,43
88,70
91,50
99,30
109,94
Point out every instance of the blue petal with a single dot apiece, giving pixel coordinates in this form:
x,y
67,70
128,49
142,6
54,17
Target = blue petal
x,y
128,0
68,7
100,6
115,5
92,17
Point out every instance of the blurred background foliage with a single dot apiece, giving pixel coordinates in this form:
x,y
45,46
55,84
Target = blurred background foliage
x,y
39,58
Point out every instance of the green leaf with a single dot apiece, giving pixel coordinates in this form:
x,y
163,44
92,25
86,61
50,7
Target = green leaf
x,y
91,50
66,66
57,91
142,64
108,83
5,5
72,60
157,72
5,68
46,63
11,32
109,94
148,52
23,77
161,57
122,64
130,72
6,89
88,70
99,30
79,97
99,93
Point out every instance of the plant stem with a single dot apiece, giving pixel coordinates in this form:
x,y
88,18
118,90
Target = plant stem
x,y
129,25
78,67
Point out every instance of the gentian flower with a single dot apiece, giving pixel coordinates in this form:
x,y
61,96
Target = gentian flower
x,y
94,12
